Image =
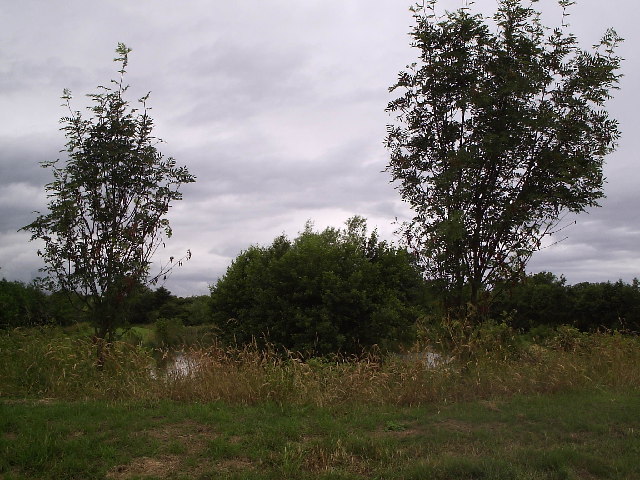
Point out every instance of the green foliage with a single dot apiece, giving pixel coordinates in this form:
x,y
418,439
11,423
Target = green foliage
x,y
543,299
500,130
196,310
169,332
540,299
610,305
466,340
567,338
109,201
329,291
148,305
22,305
65,309
57,363
47,362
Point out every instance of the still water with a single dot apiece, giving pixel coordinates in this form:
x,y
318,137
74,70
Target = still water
x,y
175,364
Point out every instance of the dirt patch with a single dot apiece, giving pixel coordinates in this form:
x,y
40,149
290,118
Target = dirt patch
x,y
211,468
407,432
145,466
585,475
194,435
490,405
400,431
29,401
235,465
580,437
186,429
14,472
466,427
456,426
624,432
323,458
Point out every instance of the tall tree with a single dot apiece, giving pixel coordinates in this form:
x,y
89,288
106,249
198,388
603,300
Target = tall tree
x,y
500,131
109,201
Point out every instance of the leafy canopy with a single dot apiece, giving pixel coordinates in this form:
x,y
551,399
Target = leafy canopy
x,y
108,202
500,131
339,290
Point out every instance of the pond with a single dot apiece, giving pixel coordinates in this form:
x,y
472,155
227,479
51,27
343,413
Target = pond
x,y
178,363
429,359
174,364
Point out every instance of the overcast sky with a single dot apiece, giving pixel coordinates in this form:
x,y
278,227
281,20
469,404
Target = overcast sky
x,y
278,108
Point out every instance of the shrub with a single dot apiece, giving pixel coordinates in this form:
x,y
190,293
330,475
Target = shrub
x,y
48,363
169,332
541,299
464,339
324,292
567,338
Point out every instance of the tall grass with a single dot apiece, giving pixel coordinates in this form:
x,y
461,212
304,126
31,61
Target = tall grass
x,y
41,362
483,362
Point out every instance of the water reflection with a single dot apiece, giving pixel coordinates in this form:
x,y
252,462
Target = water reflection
x,y
174,364
180,364
428,359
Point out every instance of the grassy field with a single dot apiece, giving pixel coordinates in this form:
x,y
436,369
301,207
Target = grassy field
x,y
581,435
566,406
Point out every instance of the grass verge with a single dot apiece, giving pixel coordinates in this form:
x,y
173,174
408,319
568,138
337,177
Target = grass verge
x,y
578,435
565,407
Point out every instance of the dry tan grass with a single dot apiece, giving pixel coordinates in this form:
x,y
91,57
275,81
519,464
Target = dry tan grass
x,y
45,367
160,467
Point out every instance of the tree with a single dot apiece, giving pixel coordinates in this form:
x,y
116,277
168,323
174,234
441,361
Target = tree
x,y
22,305
324,292
609,305
500,133
543,299
109,200
539,299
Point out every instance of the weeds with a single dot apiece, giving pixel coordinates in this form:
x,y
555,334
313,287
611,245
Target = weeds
x,y
486,362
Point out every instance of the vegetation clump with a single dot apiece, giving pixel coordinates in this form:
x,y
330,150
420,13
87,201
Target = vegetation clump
x,y
339,290
475,362
499,133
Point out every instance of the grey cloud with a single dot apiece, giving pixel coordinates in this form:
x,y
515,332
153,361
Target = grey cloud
x,y
18,259
43,74
603,244
277,107
22,180
20,158
235,82
270,185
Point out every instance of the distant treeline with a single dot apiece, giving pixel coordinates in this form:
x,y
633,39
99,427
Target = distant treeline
x,y
25,305
545,299
542,299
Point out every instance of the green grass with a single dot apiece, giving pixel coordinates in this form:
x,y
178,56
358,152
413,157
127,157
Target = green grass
x,y
141,333
504,408
581,435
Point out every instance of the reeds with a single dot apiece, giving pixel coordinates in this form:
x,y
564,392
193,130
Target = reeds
x,y
492,363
